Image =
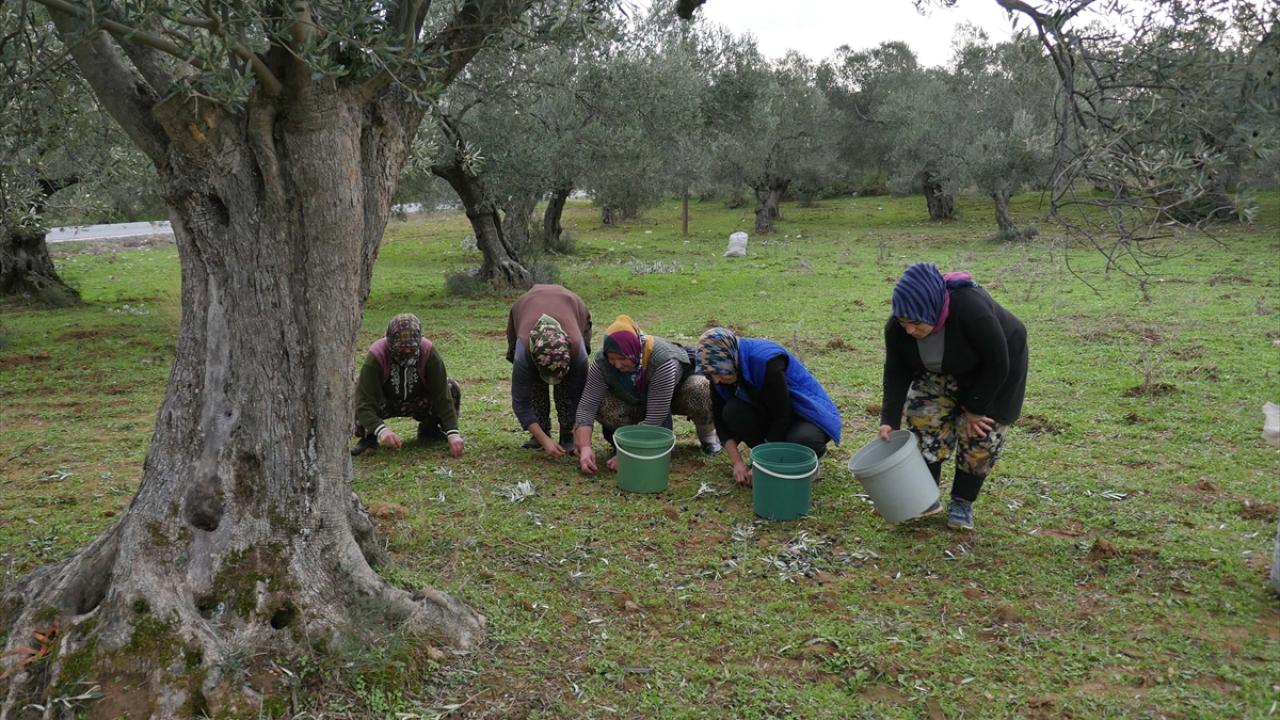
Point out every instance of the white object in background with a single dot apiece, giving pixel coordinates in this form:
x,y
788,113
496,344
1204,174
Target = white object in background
x,y
737,245
1271,423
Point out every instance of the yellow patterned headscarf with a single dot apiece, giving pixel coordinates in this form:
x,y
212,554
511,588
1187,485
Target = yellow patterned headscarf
x,y
623,337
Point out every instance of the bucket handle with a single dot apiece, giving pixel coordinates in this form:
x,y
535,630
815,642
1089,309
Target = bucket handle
x,y
789,477
650,457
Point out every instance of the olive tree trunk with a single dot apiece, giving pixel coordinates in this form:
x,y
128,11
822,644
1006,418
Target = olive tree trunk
x,y
516,214
501,265
768,194
27,271
684,213
553,217
244,541
941,204
244,532
1005,227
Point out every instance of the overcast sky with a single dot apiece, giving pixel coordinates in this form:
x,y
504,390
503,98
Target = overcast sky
x,y
818,27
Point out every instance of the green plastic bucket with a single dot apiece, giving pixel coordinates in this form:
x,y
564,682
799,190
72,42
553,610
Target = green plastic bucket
x,y
644,457
781,479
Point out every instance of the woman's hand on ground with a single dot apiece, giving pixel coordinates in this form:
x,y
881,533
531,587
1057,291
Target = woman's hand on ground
x,y
455,445
612,464
389,439
552,448
742,474
587,460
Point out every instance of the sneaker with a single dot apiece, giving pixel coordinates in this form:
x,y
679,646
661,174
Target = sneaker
x,y
430,433
960,514
711,447
531,444
368,443
933,509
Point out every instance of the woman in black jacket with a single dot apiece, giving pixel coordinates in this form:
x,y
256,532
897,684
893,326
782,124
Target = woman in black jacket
x,y
956,368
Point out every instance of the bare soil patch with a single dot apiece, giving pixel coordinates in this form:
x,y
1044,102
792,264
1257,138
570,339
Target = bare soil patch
x,y
1041,425
1229,280
1258,510
1158,389
1074,528
1103,549
13,361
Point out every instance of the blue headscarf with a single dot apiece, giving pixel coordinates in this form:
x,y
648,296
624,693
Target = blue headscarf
x,y
923,293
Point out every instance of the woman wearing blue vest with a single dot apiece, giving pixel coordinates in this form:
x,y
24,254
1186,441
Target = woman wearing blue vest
x,y
763,394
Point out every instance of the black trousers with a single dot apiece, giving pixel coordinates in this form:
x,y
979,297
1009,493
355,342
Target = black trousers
x,y
966,485
748,424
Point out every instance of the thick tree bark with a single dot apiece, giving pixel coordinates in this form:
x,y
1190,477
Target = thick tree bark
x,y
27,271
775,201
1004,219
501,265
768,193
941,204
553,216
764,219
243,533
515,221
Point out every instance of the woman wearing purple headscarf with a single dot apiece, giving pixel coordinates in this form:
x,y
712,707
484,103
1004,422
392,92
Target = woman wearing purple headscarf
x,y
956,369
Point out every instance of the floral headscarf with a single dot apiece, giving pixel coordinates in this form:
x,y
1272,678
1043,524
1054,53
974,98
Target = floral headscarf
x,y
718,352
549,349
404,336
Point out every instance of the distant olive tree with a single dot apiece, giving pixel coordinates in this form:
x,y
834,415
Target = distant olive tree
x,y
782,130
645,98
1162,108
60,157
1004,126
859,86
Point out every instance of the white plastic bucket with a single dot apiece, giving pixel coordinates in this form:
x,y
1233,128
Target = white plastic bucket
x,y
896,476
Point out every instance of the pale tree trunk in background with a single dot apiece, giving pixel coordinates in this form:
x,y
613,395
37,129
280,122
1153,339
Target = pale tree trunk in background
x,y
684,213
553,216
941,204
774,201
768,193
1004,219
764,219
515,221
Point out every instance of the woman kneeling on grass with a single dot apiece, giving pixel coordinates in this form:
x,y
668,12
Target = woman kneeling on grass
x,y
638,378
764,394
956,368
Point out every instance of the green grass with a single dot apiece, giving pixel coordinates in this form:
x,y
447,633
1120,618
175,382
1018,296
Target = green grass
x,y
602,604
